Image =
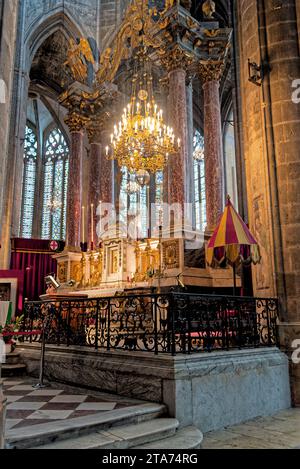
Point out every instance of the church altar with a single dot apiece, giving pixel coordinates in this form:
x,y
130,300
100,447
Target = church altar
x,y
121,264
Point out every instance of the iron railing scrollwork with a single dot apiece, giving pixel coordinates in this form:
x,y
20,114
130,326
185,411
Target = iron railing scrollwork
x,y
159,323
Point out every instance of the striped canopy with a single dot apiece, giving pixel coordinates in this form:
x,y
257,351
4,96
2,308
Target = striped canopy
x,y
232,240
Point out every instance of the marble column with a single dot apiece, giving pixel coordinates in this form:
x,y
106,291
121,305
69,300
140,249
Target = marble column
x,y
178,119
213,147
101,174
106,171
94,184
74,199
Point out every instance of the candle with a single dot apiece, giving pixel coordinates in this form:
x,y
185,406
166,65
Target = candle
x,y
100,213
92,223
82,224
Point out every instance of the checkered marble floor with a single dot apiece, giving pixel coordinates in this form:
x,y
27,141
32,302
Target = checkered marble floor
x,y
28,406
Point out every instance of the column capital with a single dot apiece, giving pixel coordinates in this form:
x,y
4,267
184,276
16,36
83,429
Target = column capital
x,y
210,71
76,122
177,59
96,127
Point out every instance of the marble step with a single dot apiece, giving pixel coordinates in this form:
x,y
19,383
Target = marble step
x,y
12,370
122,437
185,438
12,358
45,433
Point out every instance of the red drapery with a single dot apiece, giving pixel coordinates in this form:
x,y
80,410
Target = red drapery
x,y
34,258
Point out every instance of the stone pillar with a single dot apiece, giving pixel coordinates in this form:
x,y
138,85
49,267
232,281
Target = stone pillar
x,y
178,119
271,121
74,198
283,112
213,145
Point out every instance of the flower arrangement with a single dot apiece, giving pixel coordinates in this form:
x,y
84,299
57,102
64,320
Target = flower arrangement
x,y
8,330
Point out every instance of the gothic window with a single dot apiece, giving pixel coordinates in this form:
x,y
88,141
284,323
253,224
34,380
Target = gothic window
x,y
230,159
159,179
56,169
199,181
30,168
133,203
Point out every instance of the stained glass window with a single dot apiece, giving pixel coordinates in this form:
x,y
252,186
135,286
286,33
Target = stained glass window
x,y
29,180
159,179
133,205
199,181
56,167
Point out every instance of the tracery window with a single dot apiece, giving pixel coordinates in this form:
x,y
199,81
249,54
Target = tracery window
x,y
56,170
159,182
133,202
199,181
29,180
44,197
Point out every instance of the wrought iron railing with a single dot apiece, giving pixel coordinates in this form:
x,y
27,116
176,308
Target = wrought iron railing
x,y
160,323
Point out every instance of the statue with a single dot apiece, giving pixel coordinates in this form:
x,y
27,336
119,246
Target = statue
x,y
208,8
78,57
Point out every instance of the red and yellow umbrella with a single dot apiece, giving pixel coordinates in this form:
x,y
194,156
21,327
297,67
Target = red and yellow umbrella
x,y
232,241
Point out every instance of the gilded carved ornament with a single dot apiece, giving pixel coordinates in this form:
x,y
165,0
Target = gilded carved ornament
x,y
176,59
96,126
76,122
210,71
78,57
136,30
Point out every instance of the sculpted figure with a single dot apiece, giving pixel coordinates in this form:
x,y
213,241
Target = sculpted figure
x,y
208,8
78,56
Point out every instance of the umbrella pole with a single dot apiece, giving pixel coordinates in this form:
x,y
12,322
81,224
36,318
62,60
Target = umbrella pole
x,y
234,280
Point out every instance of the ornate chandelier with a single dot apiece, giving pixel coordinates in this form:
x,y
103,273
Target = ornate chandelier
x,y
142,140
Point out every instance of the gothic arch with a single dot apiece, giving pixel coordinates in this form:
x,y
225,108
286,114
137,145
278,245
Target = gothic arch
x,y
45,26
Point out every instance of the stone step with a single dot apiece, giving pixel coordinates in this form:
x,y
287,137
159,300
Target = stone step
x,y
12,358
45,433
8,370
122,437
185,438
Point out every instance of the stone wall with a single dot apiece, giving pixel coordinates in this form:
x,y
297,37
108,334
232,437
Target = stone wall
x,y
268,35
8,18
210,391
37,20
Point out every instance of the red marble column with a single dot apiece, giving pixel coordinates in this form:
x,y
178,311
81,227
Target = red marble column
x,y
74,199
94,185
106,169
100,180
178,119
213,153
